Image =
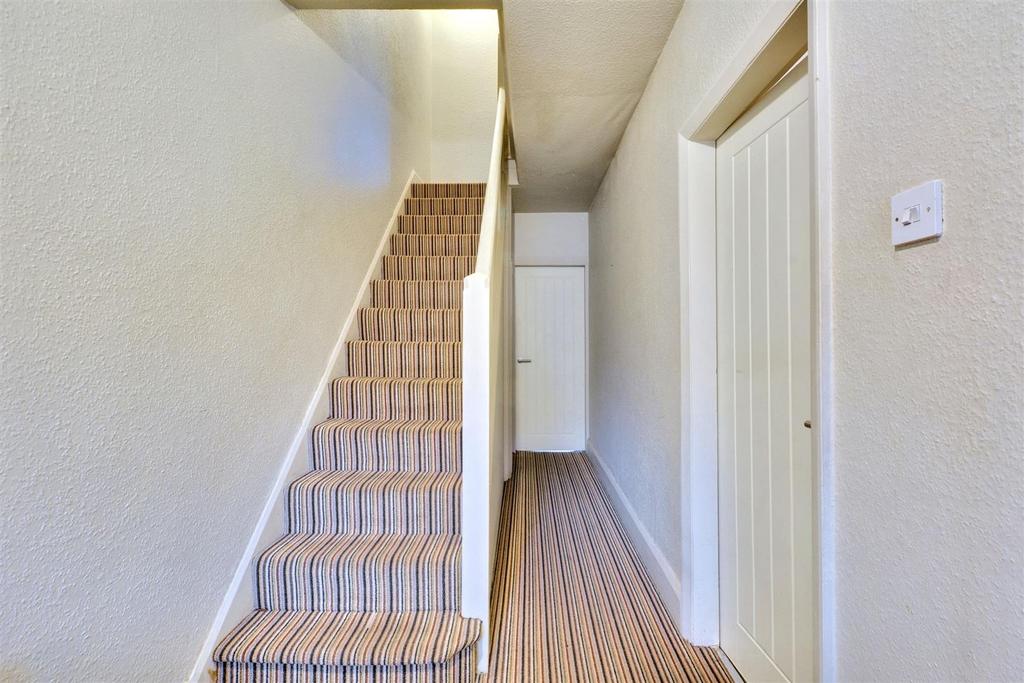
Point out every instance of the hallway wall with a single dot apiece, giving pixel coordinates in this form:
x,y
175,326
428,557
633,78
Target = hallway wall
x,y
192,193
634,289
929,379
928,373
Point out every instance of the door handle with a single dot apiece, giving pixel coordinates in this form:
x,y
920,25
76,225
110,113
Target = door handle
x,y
523,360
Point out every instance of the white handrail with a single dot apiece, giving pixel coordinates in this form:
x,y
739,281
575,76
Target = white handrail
x,y
488,225
485,389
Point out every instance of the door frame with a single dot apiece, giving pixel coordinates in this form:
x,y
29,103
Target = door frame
x,y
788,28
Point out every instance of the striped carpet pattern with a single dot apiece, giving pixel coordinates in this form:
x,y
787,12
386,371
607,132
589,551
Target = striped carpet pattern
x,y
365,586
570,599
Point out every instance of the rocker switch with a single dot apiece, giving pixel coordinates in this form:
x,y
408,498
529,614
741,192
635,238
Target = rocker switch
x,y
917,213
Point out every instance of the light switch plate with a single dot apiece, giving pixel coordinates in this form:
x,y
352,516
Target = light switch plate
x,y
917,213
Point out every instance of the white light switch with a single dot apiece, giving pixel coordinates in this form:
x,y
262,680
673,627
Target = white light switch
x,y
917,213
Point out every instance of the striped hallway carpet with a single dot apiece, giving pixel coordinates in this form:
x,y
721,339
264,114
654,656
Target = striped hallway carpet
x,y
365,587
570,600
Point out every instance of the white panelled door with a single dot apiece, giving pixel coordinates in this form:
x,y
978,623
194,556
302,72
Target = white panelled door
x,y
766,512
550,358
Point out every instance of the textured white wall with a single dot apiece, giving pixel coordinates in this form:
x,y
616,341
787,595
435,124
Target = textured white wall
x,y
929,384
551,239
192,192
928,373
634,282
465,81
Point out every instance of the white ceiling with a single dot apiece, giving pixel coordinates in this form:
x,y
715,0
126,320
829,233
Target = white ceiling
x,y
576,71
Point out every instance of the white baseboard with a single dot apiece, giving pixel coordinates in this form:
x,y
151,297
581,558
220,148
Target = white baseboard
x,y
665,579
271,524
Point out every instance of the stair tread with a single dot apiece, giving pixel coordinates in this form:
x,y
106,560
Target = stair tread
x,y
380,281
412,381
371,342
409,359
439,258
411,311
370,548
347,638
395,425
356,479
372,572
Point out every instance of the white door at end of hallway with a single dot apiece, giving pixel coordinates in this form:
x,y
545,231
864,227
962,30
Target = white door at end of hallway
x,y
550,305
766,488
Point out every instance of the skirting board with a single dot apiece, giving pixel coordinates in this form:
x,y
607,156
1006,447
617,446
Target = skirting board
x,y
271,525
666,581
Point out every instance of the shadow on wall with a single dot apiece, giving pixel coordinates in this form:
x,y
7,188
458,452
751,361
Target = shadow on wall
x,y
360,153
360,146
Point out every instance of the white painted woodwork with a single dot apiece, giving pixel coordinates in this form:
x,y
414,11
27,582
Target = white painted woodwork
x,y
550,305
766,501
486,395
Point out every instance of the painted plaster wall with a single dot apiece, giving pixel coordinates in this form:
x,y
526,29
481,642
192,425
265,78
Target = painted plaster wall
x,y
465,81
929,369
551,239
634,285
192,193
929,383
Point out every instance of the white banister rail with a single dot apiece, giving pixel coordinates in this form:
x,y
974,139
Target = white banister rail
x,y
486,389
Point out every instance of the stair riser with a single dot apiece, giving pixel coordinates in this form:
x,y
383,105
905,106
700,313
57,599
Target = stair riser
x,y
404,359
439,225
402,294
459,669
446,190
428,267
387,449
383,399
410,325
444,207
335,582
374,509
434,245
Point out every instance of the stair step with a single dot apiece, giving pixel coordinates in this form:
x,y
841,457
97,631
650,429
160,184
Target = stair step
x,y
317,642
342,502
439,225
435,190
428,267
410,324
434,245
404,359
388,445
360,573
463,206
396,398
416,293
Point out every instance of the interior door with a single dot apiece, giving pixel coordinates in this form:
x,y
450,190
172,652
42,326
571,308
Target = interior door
x,y
766,514
550,358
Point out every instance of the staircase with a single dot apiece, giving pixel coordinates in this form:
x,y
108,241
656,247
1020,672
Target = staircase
x,y
366,584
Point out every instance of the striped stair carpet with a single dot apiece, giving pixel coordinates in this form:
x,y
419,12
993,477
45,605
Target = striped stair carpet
x,y
570,599
365,586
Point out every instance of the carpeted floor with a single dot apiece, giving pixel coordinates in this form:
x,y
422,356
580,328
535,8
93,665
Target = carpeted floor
x,y
571,601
